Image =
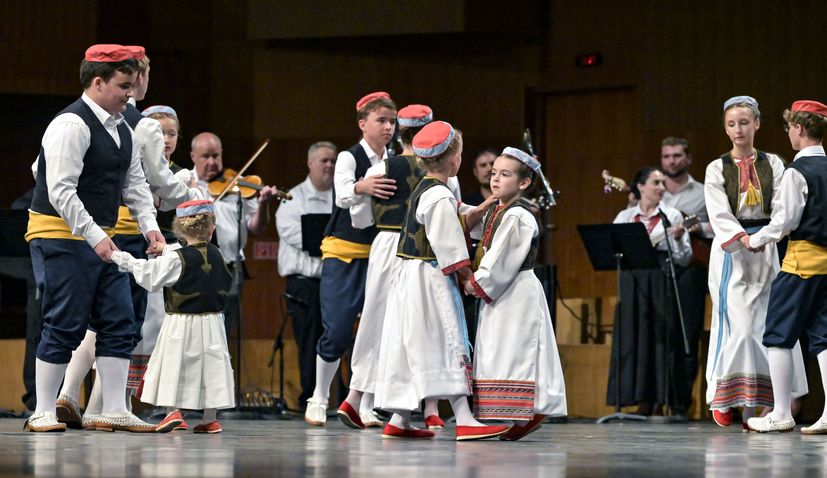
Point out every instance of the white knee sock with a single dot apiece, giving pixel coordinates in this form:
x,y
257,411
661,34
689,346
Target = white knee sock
x,y
82,359
366,404
822,366
781,374
462,412
210,414
431,407
113,372
95,404
401,420
325,371
47,381
354,398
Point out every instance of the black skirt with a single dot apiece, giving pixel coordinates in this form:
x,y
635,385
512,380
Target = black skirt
x,y
650,340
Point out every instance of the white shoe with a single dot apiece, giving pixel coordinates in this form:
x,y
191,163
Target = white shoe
x,y
767,424
89,420
44,422
817,428
371,420
122,421
316,413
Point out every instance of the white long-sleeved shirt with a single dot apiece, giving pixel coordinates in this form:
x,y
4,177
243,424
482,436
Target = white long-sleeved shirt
x,y
681,247
788,204
65,142
149,137
344,176
306,200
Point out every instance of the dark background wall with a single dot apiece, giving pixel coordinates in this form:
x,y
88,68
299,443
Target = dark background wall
x,y
291,71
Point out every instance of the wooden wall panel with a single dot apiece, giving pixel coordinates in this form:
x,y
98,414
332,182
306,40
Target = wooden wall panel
x,y
41,40
585,133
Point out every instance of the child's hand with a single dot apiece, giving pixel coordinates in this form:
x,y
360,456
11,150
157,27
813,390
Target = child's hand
x,y
475,216
469,289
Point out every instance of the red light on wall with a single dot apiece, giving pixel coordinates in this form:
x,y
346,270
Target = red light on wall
x,y
588,60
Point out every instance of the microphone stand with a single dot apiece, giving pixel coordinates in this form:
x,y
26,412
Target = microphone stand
x,y
670,359
280,406
238,276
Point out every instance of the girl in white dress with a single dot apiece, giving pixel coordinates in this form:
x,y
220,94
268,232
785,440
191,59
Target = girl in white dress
x,y
517,371
424,351
739,189
190,365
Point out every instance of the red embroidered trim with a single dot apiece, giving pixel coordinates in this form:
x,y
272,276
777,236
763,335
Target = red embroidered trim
x,y
455,267
736,237
479,292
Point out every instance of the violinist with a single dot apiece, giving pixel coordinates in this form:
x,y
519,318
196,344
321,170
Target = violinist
x,y
206,155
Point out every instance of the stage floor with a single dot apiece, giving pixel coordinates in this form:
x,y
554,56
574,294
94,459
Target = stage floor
x,y
291,448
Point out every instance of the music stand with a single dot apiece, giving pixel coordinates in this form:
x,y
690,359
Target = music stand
x,y
313,226
618,247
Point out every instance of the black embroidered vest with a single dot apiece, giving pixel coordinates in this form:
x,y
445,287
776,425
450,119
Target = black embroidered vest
x,y
105,166
813,224
413,243
389,214
732,181
340,225
204,283
493,219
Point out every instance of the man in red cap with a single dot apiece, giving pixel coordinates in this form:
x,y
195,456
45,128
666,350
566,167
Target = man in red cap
x,y
87,163
345,249
798,300
171,191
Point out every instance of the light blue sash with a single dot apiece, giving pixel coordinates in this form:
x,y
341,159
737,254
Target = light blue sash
x,y
723,291
455,294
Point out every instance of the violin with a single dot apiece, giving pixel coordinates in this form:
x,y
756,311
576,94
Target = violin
x,y
248,186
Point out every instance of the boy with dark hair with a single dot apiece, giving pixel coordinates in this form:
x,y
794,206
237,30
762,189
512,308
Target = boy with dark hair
x,y
87,162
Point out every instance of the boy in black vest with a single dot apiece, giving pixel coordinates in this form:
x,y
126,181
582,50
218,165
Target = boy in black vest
x,y
87,163
798,300
345,249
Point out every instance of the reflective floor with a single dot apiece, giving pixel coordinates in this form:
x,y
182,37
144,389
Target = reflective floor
x,y
291,448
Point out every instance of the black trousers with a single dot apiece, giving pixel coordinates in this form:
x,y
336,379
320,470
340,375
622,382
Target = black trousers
x,y
693,287
304,308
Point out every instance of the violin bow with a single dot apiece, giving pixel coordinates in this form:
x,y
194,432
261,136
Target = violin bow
x,y
231,183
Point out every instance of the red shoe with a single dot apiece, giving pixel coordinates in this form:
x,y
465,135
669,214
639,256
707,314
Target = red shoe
x,y
479,433
349,417
171,422
518,431
433,422
211,427
391,431
183,426
722,417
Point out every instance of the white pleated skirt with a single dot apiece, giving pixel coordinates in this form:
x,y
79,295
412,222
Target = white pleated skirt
x,y
190,366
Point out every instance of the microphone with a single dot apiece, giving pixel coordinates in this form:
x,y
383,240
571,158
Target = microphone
x,y
666,222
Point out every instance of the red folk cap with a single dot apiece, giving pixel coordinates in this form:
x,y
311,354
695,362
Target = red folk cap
x,y
370,97
810,106
412,116
138,52
108,53
433,139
